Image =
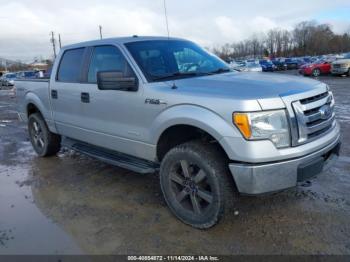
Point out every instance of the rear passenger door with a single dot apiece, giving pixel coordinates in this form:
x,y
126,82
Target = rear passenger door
x,y
65,92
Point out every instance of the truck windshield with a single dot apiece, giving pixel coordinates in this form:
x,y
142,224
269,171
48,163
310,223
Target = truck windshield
x,y
162,60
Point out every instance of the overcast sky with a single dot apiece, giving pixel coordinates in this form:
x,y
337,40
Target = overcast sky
x,y
25,24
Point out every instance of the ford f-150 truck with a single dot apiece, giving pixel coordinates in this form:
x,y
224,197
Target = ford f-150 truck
x,y
167,106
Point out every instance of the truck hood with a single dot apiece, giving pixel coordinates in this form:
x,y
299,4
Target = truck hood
x,y
247,85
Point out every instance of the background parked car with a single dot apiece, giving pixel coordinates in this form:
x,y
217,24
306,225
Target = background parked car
x,y
237,65
315,69
250,65
293,63
47,73
279,63
8,79
26,75
253,66
267,65
341,66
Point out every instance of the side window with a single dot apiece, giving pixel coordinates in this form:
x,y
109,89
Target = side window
x,y
107,58
70,65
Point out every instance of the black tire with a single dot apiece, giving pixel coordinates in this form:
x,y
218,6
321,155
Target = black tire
x,y
44,142
208,185
349,72
316,72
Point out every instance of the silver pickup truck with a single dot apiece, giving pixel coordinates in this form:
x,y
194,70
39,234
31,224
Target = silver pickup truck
x,y
167,106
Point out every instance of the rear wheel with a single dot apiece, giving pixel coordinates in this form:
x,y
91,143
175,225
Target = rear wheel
x,y
44,142
316,72
196,183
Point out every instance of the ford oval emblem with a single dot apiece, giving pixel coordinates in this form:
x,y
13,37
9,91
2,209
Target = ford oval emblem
x,y
325,111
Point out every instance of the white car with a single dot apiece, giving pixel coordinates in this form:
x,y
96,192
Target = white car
x,y
246,66
253,67
8,79
237,65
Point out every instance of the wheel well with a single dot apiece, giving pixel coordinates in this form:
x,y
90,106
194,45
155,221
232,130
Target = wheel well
x,y
31,109
180,134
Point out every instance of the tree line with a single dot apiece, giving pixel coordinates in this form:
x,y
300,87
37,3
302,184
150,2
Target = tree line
x,y
307,38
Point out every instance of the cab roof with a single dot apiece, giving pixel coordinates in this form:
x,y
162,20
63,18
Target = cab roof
x,y
119,40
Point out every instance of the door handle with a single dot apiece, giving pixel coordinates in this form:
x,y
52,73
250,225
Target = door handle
x,y
54,94
85,97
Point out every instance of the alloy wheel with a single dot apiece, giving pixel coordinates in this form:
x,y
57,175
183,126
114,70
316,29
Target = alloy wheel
x,y
37,135
191,187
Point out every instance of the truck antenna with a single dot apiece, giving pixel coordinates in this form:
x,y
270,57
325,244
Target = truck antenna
x,y
166,18
167,29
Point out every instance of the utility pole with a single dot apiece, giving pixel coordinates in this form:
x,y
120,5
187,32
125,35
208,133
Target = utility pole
x,y
53,42
59,40
100,27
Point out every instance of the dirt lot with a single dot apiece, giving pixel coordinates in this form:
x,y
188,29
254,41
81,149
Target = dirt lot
x,y
72,204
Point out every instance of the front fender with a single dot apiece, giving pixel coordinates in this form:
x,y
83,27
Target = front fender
x,y
196,116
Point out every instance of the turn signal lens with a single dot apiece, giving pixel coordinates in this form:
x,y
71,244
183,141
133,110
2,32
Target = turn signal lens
x,y
242,122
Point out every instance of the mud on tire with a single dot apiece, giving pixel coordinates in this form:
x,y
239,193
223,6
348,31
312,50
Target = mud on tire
x,y
196,183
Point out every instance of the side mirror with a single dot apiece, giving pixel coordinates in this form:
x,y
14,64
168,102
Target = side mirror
x,y
114,80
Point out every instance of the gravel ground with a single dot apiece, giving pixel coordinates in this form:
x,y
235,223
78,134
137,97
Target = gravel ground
x,y
72,204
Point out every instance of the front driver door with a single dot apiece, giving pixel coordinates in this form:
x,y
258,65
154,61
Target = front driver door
x,y
111,118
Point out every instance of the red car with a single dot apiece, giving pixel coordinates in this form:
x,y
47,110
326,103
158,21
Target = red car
x,y
315,69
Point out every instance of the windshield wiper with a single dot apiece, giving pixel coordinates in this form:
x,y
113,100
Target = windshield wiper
x,y
189,74
176,74
219,71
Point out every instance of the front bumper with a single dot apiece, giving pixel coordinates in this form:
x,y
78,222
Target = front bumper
x,y
339,71
254,179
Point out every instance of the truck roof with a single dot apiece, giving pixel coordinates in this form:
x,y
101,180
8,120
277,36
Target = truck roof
x,y
120,40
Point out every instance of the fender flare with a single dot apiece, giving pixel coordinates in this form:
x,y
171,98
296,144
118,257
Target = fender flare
x,y
196,116
32,98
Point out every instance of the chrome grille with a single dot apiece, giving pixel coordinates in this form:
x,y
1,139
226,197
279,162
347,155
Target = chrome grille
x,y
315,116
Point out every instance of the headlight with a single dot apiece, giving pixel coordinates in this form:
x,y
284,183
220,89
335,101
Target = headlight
x,y
271,125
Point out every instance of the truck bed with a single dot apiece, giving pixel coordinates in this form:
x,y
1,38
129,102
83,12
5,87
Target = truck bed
x,y
34,91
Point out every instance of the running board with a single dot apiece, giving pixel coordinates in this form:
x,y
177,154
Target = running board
x,y
111,157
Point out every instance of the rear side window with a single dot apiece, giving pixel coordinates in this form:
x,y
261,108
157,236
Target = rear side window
x,y
108,58
70,66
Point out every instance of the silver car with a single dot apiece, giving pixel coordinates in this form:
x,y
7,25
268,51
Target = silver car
x,y
8,79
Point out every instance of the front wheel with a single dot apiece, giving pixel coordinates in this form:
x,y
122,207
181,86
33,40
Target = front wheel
x,y
44,142
196,183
